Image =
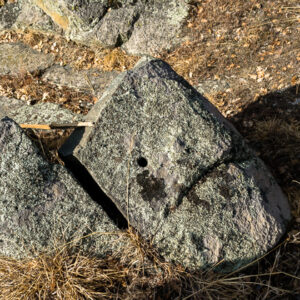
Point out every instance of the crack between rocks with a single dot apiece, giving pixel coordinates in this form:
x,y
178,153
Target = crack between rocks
x,y
92,188
135,19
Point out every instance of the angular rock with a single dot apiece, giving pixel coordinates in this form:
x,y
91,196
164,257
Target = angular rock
x,y
16,58
91,81
34,18
181,172
144,27
8,105
158,28
116,27
235,213
41,113
40,203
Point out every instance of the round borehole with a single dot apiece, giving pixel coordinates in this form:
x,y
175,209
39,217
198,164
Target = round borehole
x,y
142,162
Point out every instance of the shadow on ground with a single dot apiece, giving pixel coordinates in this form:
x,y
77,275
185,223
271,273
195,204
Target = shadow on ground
x,y
272,127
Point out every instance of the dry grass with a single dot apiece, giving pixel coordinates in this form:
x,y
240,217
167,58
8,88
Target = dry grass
x,y
135,272
252,45
70,53
28,87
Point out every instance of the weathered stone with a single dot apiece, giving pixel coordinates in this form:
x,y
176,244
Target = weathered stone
x,y
41,113
144,27
40,203
9,12
158,27
92,81
18,58
235,213
33,17
8,105
183,174
116,27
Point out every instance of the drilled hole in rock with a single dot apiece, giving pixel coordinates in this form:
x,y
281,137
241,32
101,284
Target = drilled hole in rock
x,y
88,183
142,162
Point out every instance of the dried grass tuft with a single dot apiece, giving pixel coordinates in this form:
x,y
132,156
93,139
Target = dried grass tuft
x,y
135,272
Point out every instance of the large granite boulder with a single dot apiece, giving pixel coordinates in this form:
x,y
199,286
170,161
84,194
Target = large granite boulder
x,y
179,171
42,203
140,26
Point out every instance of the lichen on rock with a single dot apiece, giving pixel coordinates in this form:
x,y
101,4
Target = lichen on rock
x,y
183,174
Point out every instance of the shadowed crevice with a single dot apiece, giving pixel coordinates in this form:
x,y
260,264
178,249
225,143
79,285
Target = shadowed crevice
x,y
94,191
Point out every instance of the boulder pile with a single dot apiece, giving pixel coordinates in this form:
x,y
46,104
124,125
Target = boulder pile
x,y
140,27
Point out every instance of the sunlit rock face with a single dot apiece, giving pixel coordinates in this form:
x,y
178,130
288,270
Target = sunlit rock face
x,y
42,205
179,172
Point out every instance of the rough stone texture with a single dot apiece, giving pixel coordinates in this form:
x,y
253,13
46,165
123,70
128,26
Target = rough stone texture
x,y
33,17
193,183
17,58
40,202
92,80
144,27
116,27
237,212
8,105
8,14
158,27
41,113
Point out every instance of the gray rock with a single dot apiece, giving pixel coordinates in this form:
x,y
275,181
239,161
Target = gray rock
x,y
144,27
235,213
17,58
158,27
41,113
159,142
9,13
91,81
40,203
34,18
116,27
8,105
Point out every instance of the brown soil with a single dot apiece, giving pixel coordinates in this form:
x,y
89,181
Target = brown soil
x,y
255,47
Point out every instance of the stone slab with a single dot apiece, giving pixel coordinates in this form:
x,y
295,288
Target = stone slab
x,y
235,214
158,27
34,18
